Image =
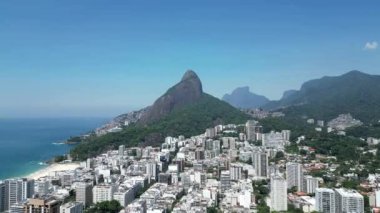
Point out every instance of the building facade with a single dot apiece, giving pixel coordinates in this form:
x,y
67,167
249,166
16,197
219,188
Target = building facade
x,y
310,184
42,205
278,194
348,200
84,193
260,163
72,207
325,200
102,193
294,175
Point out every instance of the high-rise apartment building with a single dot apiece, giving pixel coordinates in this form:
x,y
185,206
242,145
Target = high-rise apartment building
x,y
348,200
17,190
252,128
225,180
260,163
325,200
84,193
102,193
2,196
294,175
310,184
278,194
236,172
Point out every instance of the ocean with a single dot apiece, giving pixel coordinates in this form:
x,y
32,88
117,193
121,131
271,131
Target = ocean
x,y
25,144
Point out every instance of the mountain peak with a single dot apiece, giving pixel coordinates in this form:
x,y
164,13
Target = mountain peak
x,y
189,74
187,91
244,89
241,97
355,73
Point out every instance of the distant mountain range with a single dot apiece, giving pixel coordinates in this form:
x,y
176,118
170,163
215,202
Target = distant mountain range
x,y
241,97
183,110
186,110
355,92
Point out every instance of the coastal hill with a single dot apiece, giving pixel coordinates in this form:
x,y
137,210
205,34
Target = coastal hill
x,y
183,110
187,91
355,92
241,97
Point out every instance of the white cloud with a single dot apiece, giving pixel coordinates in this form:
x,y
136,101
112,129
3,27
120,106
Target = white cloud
x,y
371,45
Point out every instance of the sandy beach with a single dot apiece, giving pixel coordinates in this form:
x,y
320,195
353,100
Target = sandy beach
x,y
53,168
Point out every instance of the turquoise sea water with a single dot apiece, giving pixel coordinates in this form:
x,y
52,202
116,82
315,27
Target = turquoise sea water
x,y
26,143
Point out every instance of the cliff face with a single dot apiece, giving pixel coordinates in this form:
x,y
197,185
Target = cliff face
x,y
187,91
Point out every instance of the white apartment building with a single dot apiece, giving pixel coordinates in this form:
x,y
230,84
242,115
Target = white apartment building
x,y
275,140
102,193
278,194
72,207
348,200
294,175
310,184
124,198
325,200
235,172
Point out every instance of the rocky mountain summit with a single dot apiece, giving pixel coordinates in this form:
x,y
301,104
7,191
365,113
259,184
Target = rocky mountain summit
x,y
187,91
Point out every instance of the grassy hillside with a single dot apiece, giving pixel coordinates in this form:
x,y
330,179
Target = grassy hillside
x,y
190,120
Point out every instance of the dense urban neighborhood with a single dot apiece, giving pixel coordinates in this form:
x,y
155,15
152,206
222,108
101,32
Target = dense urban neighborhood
x,y
103,109
229,168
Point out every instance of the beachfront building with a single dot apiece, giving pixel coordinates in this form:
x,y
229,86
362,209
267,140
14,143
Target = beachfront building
x,y
2,196
17,190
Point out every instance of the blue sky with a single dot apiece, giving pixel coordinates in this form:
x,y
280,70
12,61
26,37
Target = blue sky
x,y
102,58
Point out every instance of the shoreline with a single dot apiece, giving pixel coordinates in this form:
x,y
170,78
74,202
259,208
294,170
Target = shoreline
x,y
51,168
53,135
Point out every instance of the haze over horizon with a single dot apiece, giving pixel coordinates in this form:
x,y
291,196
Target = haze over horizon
x,y
93,58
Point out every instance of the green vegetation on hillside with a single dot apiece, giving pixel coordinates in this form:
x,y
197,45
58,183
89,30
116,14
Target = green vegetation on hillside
x,y
296,124
190,120
354,92
343,147
365,131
